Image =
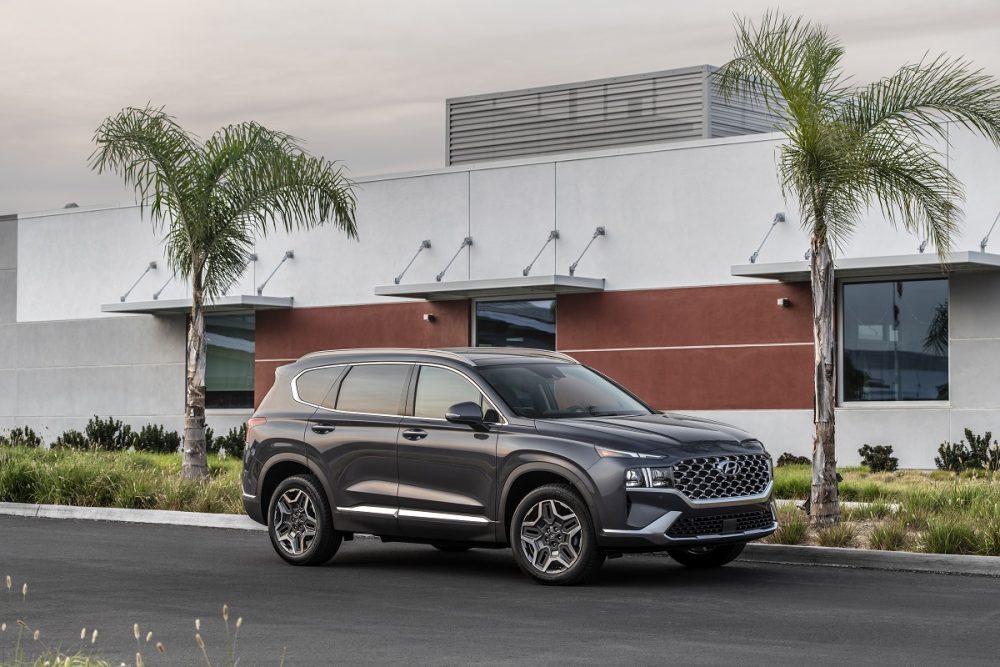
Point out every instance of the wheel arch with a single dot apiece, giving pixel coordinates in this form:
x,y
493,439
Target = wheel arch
x,y
282,466
529,476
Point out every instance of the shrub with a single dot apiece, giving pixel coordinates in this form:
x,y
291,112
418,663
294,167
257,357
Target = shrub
x,y
109,434
837,535
787,459
232,443
988,536
211,444
878,458
973,453
792,528
889,536
22,436
949,535
71,439
158,440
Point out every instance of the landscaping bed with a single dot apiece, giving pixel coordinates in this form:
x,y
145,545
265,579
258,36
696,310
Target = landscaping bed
x,y
907,510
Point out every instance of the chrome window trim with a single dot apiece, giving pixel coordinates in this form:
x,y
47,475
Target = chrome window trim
x,y
295,392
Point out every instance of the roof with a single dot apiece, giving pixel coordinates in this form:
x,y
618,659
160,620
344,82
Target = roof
x,y
470,356
876,267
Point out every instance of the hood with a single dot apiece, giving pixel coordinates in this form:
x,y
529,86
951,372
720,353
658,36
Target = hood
x,y
663,434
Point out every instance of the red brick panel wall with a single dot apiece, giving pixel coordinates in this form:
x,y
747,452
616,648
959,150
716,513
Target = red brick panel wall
x,y
703,348
284,335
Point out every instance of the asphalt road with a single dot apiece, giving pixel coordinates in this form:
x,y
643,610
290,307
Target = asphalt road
x,y
383,603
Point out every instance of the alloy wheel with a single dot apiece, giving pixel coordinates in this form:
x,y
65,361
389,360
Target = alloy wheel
x,y
295,521
551,536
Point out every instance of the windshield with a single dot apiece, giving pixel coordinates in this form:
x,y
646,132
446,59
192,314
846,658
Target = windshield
x,y
559,391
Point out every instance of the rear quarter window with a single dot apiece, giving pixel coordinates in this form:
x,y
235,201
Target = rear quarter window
x,y
315,386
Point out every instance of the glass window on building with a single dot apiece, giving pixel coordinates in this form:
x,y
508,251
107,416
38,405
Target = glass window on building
x,y
229,362
895,341
520,323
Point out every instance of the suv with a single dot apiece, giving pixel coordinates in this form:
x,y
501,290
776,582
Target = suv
x,y
495,447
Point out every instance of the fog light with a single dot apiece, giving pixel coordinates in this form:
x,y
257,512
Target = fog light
x,y
633,478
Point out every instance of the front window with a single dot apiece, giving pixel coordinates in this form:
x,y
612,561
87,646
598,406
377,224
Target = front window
x,y
229,361
519,323
895,340
559,391
438,389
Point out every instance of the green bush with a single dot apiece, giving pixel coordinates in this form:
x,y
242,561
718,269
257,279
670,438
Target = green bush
x,y
71,439
949,535
232,443
878,458
889,536
211,444
21,436
792,527
156,439
837,535
787,459
973,453
109,434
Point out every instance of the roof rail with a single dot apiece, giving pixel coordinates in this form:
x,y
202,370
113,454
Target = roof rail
x,y
375,350
521,351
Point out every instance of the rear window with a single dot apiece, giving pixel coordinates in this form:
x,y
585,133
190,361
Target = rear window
x,y
314,386
374,389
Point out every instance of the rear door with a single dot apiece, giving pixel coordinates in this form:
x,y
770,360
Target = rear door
x,y
354,433
447,472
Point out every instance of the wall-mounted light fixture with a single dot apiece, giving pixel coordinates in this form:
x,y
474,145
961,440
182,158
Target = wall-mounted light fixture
x,y
430,317
597,232
778,217
289,254
150,267
467,241
784,302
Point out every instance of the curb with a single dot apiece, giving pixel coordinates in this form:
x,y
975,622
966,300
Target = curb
x,y
868,559
159,517
755,552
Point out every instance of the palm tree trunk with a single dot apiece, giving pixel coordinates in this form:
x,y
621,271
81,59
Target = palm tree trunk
x,y
824,506
195,465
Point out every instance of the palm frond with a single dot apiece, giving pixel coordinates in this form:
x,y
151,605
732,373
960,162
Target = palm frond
x,y
152,153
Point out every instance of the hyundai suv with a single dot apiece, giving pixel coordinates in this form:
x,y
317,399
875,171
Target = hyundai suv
x,y
495,447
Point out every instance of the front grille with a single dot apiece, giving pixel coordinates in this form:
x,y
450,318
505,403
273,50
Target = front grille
x,y
720,524
711,477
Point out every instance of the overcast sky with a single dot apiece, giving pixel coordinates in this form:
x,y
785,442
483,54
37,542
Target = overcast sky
x,y
365,82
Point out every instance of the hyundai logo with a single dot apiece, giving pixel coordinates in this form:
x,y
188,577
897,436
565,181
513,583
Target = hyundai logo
x,y
729,468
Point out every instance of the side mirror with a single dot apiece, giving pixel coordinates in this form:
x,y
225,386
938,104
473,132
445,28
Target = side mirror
x,y
465,413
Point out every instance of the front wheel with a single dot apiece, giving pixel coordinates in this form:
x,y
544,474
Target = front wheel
x,y
553,538
300,523
708,556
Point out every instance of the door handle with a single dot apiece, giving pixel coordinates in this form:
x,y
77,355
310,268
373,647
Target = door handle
x,y
414,434
323,428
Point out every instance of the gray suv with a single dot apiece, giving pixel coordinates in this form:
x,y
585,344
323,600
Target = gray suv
x,y
493,447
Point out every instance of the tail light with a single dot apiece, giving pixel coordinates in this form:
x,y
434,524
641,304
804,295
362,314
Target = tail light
x,y
252,423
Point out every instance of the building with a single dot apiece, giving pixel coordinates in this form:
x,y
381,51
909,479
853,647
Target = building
x,y
625,242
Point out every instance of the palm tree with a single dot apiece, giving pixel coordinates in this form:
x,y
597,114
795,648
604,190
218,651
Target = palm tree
x,y
849,148
214,199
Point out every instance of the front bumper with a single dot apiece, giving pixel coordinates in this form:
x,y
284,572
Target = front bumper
x,y
662,519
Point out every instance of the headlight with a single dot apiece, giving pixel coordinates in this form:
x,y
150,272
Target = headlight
x,y
605,453
653,478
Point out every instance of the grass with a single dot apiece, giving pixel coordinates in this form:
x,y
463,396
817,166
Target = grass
x,y
116,479
931,511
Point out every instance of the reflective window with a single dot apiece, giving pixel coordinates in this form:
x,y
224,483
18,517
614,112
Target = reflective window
x,y
521,323
559,391
374,388
229,361
438,389
895,340
314,386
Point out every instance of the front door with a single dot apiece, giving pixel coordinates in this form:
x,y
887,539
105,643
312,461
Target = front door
x,y
447,472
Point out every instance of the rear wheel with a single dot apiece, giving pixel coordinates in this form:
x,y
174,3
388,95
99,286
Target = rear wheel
x,y
300,523
553,538
707,556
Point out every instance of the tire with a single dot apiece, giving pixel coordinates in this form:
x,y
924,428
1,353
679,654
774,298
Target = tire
x,y
451,548
702,558
297,506
554,515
